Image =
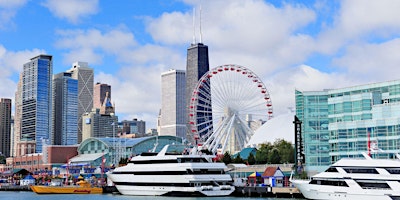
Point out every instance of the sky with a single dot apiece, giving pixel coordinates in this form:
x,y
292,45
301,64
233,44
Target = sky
x,y
305,45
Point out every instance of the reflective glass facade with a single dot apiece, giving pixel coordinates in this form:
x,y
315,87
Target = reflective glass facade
x,y
346,122
65,97
36,120
312,111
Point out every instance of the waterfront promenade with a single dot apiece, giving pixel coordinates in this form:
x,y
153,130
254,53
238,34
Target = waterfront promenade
x,y
251,191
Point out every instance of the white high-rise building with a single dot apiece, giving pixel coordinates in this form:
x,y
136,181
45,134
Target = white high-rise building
x,y
173,118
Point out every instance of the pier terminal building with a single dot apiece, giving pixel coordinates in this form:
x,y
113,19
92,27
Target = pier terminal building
x,y
87,157
338,123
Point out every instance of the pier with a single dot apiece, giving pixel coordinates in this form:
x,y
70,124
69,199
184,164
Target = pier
x,y
265,191
15,188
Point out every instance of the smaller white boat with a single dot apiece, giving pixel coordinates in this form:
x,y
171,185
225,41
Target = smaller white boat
x,y
351,178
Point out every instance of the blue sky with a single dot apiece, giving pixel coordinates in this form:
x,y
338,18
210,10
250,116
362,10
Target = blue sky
x,y
305,45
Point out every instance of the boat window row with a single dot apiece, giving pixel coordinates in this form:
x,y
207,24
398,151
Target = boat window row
x,y
331,182
178,160
393,170
331,169
188,171
372,184
361,170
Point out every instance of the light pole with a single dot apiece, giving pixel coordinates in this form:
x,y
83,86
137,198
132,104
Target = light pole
x,y
114,150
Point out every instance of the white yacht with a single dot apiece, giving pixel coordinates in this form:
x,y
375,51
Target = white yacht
x,y
350,178
173,174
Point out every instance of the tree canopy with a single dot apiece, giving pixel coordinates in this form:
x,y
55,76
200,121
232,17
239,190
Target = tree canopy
x,y
279,152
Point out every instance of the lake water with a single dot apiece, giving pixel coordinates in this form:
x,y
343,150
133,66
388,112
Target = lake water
x,y
33,196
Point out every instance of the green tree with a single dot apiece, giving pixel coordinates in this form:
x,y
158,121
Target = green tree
x,y
286,151
274,157
251,159
238,159
227,158
2,159
262,153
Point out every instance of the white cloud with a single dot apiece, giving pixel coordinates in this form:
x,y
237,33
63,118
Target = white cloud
x,y
372,62
360,17
359,20
282,85
8,9
171,28
11,65
251,33
136,92
90,45
72,10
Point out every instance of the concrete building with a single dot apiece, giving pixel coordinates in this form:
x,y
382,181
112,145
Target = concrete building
x,y
98,125
345,122
173,118
134,126
65,110
17,119
36,97
101,122
5,126
99,94
196,66
84,74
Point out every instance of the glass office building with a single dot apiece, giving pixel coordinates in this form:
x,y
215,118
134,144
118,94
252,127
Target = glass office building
x,y
36,120
346,122
65,109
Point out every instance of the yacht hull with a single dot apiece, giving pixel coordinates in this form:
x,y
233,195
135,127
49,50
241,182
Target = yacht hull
x,y
173,191
319,192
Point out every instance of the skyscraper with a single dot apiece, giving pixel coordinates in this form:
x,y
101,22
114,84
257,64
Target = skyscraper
x,y
173,103
84,74
36,120
99,93
197,65
134,126
100,122
5,126
65,109
17,119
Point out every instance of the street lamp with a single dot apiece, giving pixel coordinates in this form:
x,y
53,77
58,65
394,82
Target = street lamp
x,y
114,150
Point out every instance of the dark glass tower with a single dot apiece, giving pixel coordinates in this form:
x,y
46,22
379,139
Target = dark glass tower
x,y
197,65
65,109
5,126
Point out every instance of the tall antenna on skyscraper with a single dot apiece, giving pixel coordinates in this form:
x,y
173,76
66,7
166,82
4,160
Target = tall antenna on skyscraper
x,y
194,27
200,39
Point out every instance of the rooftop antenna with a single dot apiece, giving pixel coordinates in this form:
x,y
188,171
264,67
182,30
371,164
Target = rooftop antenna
x,y
194,28
200,40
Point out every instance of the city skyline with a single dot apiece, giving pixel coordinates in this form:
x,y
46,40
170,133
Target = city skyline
x,y
307,45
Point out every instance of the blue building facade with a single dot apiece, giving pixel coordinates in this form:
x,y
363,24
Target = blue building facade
x,y
346,122
36,120
65,110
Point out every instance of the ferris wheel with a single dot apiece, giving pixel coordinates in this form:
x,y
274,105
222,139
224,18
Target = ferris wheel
x,y
226,107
